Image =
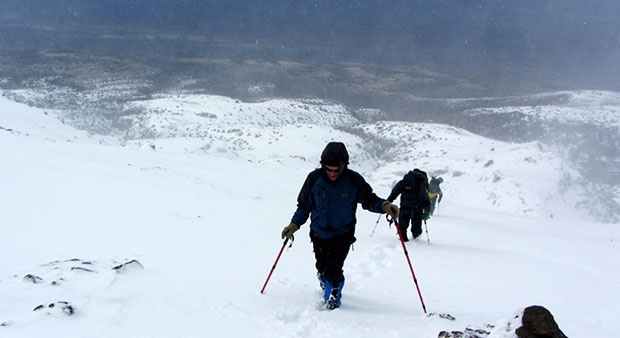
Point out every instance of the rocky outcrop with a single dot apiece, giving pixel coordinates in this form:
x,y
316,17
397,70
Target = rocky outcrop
x,y
538,322
534,322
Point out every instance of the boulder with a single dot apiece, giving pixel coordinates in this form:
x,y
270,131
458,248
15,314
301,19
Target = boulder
x,y
538,322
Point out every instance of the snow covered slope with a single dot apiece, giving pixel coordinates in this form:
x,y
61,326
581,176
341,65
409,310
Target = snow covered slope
x,y
584,126
165,237
594,107
524,178
20,119
478,172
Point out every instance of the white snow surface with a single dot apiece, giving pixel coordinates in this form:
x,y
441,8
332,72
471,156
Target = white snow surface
x,y
174,236
590,106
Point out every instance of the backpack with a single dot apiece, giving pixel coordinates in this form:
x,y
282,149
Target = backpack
x,y
415,188
434,185
422,178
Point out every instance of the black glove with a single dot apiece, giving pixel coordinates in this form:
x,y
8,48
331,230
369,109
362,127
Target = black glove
x,y
390,209
289,230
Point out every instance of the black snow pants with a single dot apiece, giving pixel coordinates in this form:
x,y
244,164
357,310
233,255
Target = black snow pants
x,y
415,216
330,255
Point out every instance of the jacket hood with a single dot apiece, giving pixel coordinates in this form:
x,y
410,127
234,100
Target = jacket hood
x,y
335,153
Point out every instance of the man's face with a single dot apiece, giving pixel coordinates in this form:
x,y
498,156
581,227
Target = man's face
x,y
332,171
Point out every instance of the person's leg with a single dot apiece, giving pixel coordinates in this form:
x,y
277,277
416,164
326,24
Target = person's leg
x,y
321,251
330,256
403,222
336,256
334,273
416,223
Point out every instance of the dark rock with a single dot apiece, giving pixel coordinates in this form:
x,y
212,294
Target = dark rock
x,y
132,264
32,278
538,322
62,306
442,315
446,316
468,333
79,268
68,310
476,333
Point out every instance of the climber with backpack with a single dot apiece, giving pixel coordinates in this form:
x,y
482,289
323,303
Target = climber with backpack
x,y
414,202
435,194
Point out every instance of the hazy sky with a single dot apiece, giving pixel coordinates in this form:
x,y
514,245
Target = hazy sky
x,y
564,35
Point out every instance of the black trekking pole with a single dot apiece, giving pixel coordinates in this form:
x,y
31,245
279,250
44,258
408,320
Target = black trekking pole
x,y
415,280
274,265
373,230
427,238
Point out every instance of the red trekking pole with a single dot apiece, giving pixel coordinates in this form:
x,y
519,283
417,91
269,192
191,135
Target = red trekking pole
x,y
415,280
274,265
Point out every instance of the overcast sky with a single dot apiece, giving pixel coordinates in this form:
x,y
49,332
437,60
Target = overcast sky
x,y
559,35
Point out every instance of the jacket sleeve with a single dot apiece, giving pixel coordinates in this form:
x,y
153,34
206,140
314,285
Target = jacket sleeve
x,y
304,201
369,200
395,191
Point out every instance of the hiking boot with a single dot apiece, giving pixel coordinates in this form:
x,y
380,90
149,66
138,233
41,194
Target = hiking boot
x,y
332,303
332,295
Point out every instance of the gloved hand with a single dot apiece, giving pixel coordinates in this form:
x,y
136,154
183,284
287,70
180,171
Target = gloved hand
x,y
425,216
390,209
440,196
289,230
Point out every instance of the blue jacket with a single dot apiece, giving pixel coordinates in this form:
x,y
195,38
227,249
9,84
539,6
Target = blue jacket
x,y
332,204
